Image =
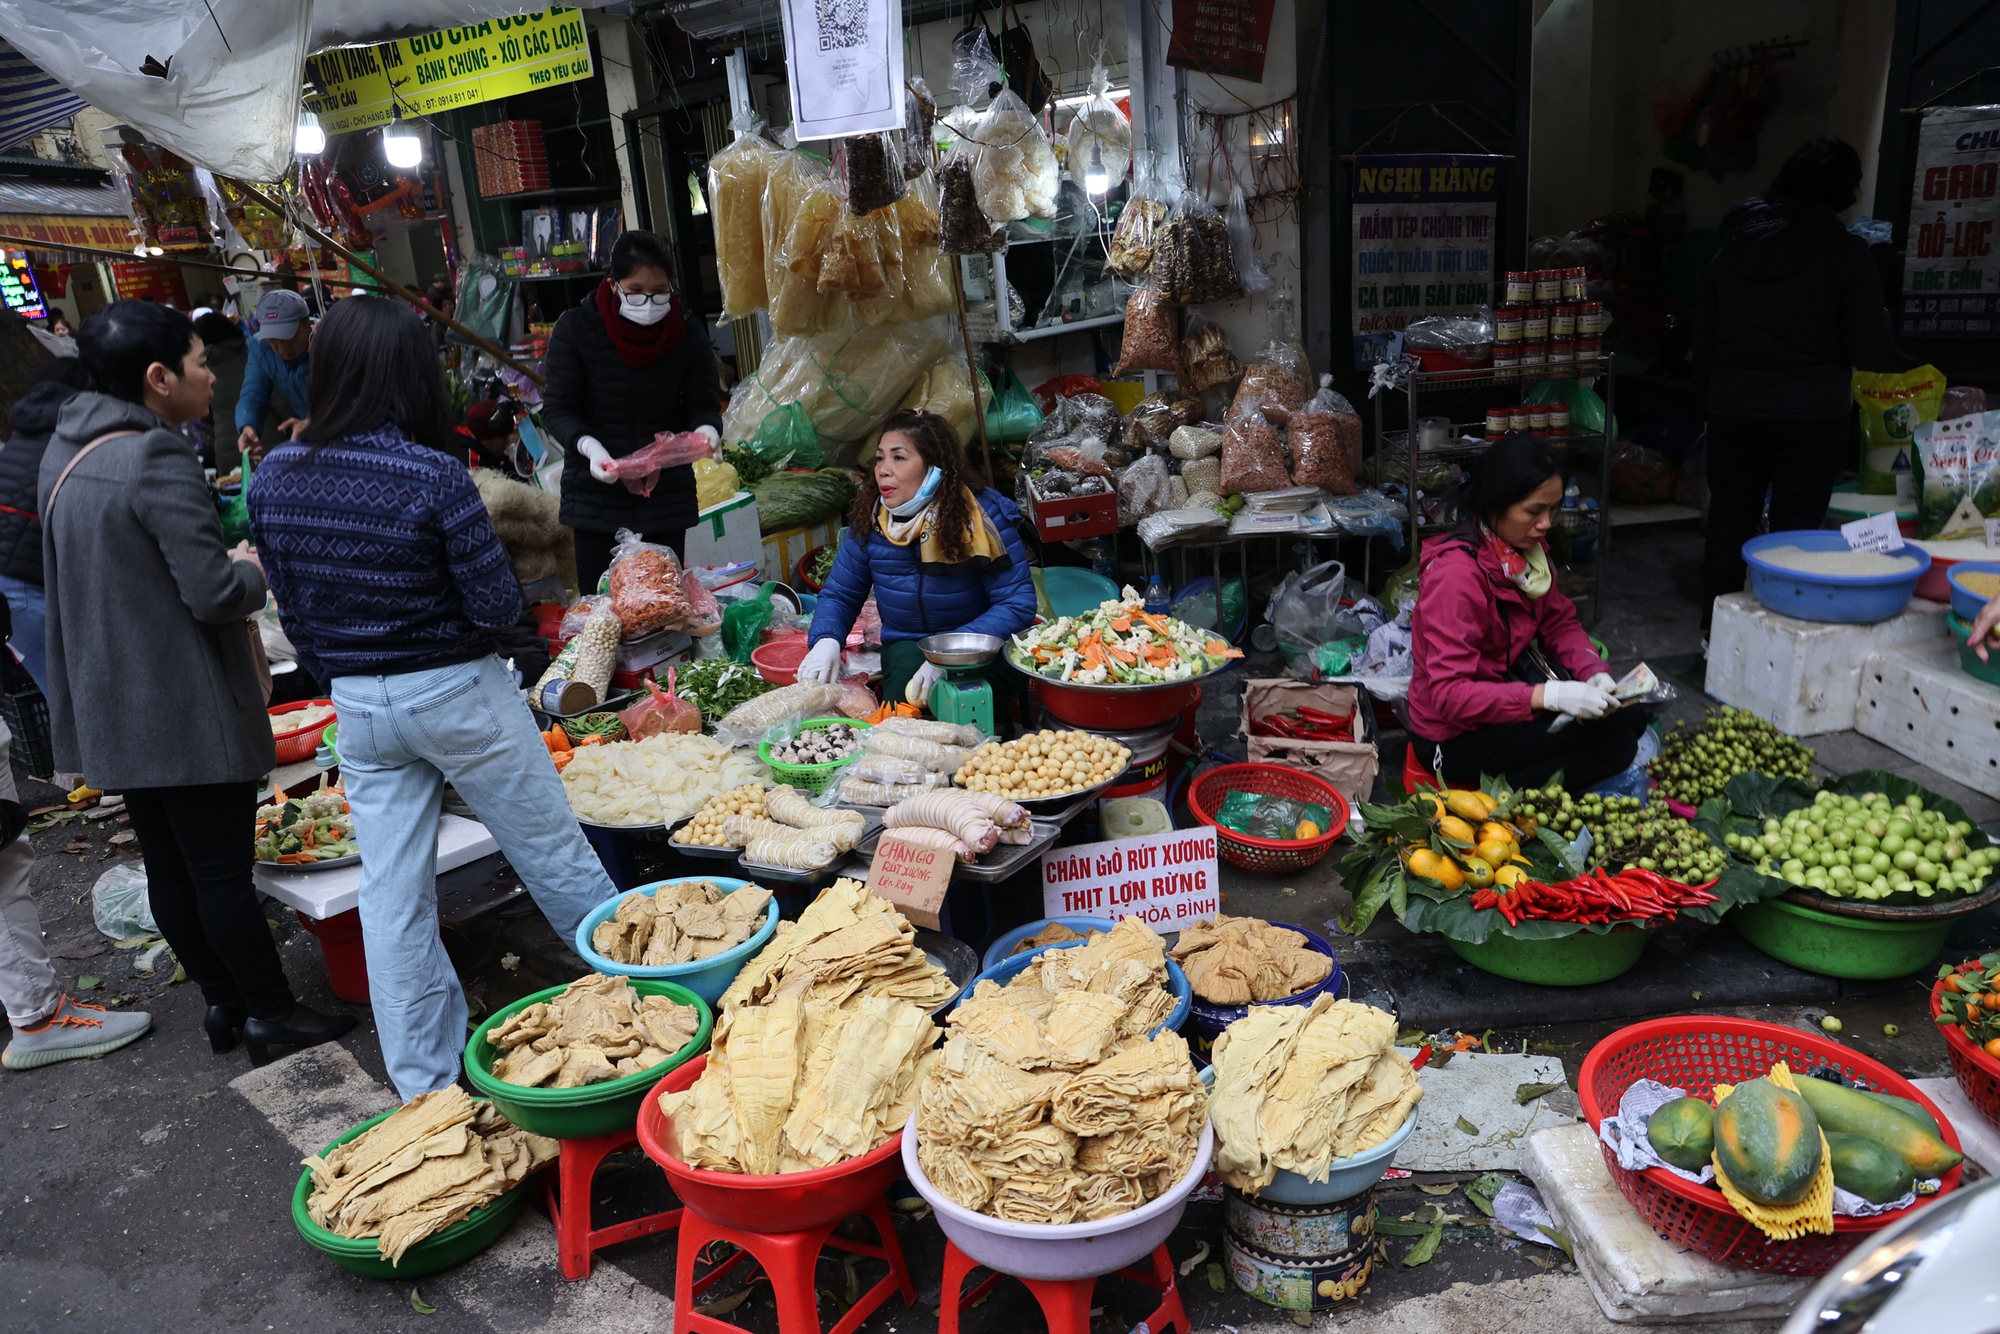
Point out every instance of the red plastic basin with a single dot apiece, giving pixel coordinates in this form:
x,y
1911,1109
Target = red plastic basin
x,y
778,661
300,743
339,938
796,1202
1131,710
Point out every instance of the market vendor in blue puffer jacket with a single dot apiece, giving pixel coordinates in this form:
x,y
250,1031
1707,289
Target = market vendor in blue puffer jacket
x,y
939,555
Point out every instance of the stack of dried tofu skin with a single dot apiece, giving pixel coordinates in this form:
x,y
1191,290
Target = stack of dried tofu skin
x,y
679,923
599,1028
432,1162
1297,1087
1055,933
1049,1104
1237,960
846,945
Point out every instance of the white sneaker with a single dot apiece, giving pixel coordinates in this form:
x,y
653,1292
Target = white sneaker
x,y
74,1031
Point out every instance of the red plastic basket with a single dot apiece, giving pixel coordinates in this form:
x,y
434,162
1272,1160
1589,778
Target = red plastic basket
x,y
299,743
806,581
1272,856
1978,1074
1696,1052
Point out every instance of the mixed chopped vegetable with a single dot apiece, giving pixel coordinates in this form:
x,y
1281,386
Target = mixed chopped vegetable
x,y
304,830
1121,643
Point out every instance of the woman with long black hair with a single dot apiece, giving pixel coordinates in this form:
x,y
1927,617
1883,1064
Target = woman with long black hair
x,y
393,587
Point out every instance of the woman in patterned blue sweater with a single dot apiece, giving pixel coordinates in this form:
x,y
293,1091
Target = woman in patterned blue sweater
x,y
393,587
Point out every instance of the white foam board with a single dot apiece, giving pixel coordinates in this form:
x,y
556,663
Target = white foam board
x,y
1803,676
322,894
1917,700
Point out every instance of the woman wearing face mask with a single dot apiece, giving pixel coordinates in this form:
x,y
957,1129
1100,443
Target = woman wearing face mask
x,y
1487,596
938,554
627,364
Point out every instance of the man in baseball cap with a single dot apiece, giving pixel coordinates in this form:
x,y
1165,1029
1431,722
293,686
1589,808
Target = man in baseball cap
x,y
280,360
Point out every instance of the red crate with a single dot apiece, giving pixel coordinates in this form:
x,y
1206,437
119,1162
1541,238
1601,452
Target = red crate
x,y
1062,518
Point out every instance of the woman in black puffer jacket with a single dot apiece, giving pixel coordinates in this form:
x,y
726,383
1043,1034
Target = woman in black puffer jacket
x,y
20,523
624,366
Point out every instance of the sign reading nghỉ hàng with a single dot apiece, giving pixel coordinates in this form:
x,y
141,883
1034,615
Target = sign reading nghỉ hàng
x,y
356,87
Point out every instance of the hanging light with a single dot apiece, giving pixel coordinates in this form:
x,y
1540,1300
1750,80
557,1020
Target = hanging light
x,y
155,250
400,146
1096,180
308,139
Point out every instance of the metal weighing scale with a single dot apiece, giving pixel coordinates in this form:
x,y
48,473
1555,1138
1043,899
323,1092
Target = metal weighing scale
x,y
964,696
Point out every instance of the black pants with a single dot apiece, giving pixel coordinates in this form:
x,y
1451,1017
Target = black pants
x,y
1797,460
198,844
593,552
1529,754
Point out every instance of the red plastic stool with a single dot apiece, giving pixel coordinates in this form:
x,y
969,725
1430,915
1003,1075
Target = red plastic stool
x,y
1065,1305
789,1259
569,1204
1415,775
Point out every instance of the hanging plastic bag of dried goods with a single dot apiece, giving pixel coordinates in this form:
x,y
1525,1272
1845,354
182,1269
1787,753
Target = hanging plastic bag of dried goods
x,y
800,204
963,227
1016,174
976,72
1278,380
737,177
1154,419
1100,139
1206,359
874,168
1142,489
1253,455
1243,244
1326,442
919,114
1132,240
1152,333
1191,258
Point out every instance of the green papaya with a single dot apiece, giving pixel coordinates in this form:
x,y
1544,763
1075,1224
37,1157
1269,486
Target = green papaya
x,y
1853,1112
1683,1133
1860,1165
1767,1141
1909,1107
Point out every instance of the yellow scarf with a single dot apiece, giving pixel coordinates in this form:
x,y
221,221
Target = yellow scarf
x,y
985,553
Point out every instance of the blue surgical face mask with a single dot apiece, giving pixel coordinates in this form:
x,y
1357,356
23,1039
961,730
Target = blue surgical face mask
x,y
916,503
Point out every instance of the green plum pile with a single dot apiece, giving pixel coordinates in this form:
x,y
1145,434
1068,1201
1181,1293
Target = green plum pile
x,y
1625,833
1694,763
1870,848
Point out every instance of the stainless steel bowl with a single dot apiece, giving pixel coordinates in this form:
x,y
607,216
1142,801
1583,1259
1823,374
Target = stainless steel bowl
x,y
960,649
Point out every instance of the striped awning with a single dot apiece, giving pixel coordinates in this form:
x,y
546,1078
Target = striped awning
x,y
30,101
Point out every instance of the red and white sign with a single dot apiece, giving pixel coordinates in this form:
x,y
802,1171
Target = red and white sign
x,y
1165,880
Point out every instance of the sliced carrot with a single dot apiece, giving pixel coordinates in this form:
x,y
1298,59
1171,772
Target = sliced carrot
x,y
1159,655
562,759
1215,648
308,840
908,711
1122,624
295,858
1125,656
1234,653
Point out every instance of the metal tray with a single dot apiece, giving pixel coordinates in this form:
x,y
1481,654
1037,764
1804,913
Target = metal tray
x,y
332,864
871,829
644,833
1063,806
959,961
1003,861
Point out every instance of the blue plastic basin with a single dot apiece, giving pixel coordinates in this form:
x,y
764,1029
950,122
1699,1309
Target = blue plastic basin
x,y
1843,599
1006,970
1964,602
706,978
1003,948
1075,591
1206,1021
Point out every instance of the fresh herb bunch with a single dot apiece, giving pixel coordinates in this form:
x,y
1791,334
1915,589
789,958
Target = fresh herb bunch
x,y
717,685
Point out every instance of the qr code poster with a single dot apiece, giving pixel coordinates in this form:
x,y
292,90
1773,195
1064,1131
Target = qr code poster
x,y
845,60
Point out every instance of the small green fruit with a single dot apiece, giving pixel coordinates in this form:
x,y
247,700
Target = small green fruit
x,y
1890,1030
1830,1024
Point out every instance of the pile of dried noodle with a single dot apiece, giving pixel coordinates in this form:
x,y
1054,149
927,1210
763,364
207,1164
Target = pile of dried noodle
x,y
799,1084
1236,960
1297,1087
433,1161
1049,1104
847,945
597,1029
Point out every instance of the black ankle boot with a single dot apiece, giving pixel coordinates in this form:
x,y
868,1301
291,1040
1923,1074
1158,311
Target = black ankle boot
x,y
303,1027
221,1025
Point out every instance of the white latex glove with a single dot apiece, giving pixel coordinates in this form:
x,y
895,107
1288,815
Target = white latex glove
x,y
714,436
918,692
821,662
1603,681
600,458
1579,699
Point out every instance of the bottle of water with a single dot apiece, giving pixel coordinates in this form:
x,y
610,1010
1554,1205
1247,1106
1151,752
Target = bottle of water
x,y
1572,495
1157,601
1106,560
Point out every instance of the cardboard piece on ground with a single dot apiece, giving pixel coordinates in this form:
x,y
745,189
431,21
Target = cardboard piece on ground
x,y
1479,1089
912,877
1636,1275
1976,1135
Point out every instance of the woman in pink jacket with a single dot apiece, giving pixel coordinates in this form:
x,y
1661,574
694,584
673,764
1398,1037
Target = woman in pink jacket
x,y
1478,702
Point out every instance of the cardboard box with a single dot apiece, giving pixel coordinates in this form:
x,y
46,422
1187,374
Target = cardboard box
x,y
1349,765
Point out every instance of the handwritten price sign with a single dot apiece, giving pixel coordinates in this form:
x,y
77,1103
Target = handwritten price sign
x,y
1165,880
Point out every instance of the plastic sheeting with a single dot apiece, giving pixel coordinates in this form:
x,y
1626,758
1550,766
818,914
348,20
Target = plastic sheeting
x,y
352,22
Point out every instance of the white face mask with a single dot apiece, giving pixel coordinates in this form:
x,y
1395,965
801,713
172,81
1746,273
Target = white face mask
x,y
642,309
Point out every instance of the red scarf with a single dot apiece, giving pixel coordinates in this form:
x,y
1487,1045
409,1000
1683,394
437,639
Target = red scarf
x,y
638,344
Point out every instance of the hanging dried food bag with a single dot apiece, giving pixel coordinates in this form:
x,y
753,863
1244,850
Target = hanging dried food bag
x,y
1152,333
919,114
1131,252
647,593
1326,442
1100,138
800,205
874,171
1206,358
1191,259
1250,274
1275,384
1253,456
1016,174
963,227
737,177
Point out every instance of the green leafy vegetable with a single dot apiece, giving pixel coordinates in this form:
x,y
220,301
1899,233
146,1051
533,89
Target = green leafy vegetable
x,y
1467,1126
1527,1093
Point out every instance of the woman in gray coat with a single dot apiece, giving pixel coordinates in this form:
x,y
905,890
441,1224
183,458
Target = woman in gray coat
x,y
154,692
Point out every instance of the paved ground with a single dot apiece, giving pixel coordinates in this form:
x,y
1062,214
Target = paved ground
x,y
150,1189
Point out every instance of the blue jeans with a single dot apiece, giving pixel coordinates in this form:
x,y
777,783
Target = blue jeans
x,y
29,608
401,738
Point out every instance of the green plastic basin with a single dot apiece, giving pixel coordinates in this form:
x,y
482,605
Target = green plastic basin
x,y
441,1250
1852,947
594,1109
1568,961
1961,633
